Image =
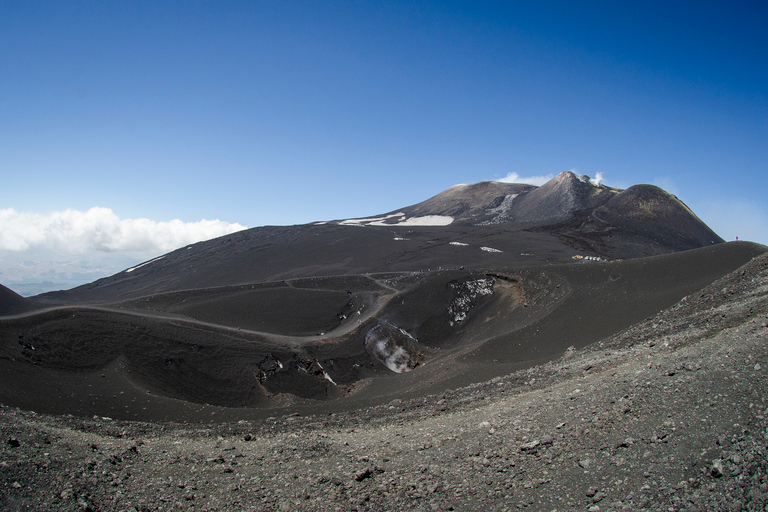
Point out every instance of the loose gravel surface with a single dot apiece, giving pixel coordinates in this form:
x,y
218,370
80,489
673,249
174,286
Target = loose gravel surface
x,y
668,415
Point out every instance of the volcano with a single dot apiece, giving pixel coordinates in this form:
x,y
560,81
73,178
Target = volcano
x,y
473,226
478,281
495,347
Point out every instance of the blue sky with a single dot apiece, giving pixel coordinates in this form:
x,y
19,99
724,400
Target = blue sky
x,y
284,112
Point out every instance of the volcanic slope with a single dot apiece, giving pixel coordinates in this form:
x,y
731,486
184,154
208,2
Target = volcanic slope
x,y
670,414
12,303
473,283
337,366
485,225
331,343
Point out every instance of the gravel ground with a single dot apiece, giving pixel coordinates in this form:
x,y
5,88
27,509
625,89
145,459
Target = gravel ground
x,y
668,415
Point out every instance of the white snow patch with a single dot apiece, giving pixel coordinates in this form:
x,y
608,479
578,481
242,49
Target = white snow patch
x,y
325,374
427,220
371,220
466,295
489,249
406,333
145,263
461,244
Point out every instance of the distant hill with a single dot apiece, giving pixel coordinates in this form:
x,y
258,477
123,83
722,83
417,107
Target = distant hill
x,y
11,303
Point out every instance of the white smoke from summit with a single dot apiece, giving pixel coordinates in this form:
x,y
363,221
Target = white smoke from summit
x,y
597,179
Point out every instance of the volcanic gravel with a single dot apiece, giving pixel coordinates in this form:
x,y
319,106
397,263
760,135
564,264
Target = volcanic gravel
x,y
670,415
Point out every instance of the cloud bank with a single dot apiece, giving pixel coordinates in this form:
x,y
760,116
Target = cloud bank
x,y
99,229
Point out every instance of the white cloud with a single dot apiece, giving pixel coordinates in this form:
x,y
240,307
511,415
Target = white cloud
x,y
513,177
99,229
59,250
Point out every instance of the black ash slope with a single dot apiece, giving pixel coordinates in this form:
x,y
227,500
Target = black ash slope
x,y
163,358
474,283
277,253
11,303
